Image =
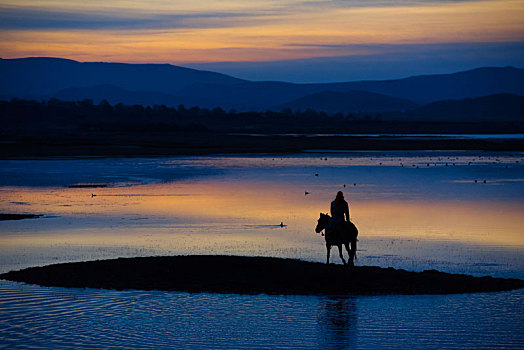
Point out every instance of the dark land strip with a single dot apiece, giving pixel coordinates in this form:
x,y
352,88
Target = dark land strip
x,y
4,217
252,275
31,129
152,144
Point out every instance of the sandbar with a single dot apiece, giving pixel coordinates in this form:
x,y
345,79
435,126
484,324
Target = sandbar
x,y
252,275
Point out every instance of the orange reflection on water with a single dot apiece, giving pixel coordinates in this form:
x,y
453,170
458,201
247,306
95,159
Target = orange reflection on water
x,y
466,221
202,200
260,203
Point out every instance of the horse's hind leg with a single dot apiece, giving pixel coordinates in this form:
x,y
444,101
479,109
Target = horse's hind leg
x,y
340,253
351,256
328,248
353,251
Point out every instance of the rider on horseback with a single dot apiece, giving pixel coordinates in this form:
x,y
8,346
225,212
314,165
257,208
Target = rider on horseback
x,y
339,230
339,209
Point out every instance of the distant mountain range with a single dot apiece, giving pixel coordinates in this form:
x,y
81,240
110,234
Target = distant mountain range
x,y
163,84
46,76
353,101
497,107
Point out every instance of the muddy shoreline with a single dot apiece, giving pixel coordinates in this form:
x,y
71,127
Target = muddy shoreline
x,y
208,143
252,275
6,216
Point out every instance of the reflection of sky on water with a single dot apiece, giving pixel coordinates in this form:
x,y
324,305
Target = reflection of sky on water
x,y
410,215
413,211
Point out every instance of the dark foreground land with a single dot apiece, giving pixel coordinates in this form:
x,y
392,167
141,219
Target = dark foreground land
x,y
252,275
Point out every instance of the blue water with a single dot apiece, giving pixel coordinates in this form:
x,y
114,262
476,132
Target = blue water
x,y
76,318
161,207
414,136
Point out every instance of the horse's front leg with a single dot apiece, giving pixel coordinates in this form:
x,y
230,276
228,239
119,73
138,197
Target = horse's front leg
x,y
340,253
328,248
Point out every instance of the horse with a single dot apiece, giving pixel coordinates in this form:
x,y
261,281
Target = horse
x,y
344,233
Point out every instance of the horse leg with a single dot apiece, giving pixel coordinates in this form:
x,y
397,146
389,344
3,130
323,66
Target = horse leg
x,y
340,253
353,251
328,248
350,260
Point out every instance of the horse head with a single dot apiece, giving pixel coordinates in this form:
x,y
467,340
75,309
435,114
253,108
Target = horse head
x,y
322,222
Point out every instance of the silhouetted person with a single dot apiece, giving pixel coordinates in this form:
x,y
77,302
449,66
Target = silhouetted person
x,y
339,230
339,212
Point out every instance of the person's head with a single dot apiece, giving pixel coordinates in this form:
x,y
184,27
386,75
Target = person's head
x,y
340,196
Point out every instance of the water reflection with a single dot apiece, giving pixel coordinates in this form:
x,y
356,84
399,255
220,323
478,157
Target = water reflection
x,y
414,210
337,321
250,202
69,318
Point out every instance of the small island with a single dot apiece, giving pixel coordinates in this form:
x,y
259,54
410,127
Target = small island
x,y
252,275
5,216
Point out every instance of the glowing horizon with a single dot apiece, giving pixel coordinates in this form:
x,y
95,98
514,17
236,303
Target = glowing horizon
x,y
210,31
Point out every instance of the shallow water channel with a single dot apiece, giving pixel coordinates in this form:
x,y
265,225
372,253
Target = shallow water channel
x,y
454,211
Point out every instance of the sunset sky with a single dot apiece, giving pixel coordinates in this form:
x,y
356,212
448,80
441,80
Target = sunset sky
x,y
279,40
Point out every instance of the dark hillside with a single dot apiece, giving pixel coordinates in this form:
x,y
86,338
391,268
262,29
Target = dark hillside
x,y
149,84
430,88
43,76
351,101
493,108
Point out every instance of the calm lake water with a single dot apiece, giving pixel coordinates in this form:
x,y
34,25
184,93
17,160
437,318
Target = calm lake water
x,y
452,211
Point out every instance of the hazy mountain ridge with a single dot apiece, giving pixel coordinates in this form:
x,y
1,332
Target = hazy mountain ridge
x,y
113,95
492,108
43,76
150,84
351,101
425,89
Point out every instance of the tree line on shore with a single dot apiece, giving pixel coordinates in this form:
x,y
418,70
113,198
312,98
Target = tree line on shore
x,y
20,116
103,116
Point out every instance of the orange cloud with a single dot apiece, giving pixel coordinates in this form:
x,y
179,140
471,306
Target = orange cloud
x,y
257,31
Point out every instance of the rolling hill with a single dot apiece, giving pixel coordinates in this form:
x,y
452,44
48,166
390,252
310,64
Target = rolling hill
x,y
45,76
492,108
351,101
150,84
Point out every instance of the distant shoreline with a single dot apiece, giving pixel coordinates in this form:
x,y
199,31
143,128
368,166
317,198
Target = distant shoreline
x,y
63,129
209,143
252,275
6,216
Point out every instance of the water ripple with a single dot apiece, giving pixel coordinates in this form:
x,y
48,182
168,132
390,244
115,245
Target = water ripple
x,y
37,317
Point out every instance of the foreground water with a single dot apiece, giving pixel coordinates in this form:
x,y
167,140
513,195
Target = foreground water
x,y
70,318
452,211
